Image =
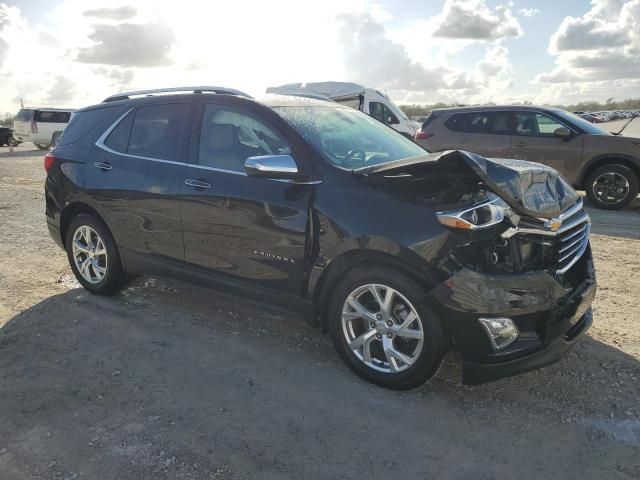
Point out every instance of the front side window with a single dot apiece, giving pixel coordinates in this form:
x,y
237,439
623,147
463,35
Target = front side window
x,y
348,138
381,112
156,131
532,124
229,136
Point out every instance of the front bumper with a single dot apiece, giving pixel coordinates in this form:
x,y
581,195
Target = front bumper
x,y
551,313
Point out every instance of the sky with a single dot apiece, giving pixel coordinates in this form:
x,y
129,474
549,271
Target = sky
x,y
74,53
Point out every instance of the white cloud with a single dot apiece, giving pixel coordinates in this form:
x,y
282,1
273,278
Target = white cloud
x,y
473,19
528,12
62,91
124,12
602,46
129,45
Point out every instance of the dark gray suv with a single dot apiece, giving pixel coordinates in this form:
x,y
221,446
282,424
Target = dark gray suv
x,y
605,165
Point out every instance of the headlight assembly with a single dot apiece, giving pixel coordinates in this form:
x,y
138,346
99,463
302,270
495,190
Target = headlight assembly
x,y
479,216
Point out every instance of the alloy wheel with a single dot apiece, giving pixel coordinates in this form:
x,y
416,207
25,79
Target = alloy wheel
x,y
89,254
382,328
611,187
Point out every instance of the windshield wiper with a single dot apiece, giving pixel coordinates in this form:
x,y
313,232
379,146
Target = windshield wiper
x,y
625,125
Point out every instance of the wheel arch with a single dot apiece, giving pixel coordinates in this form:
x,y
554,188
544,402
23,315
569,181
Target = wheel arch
x,y
74,209
627,161
353,259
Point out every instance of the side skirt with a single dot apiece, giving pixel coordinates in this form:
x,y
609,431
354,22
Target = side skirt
x,y
143,264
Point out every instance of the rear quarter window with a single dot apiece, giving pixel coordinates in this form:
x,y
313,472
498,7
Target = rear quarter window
x,y
83,122
458,122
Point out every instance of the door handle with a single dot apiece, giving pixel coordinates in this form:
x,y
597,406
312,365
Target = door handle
x,y
521,144
104,166
197,184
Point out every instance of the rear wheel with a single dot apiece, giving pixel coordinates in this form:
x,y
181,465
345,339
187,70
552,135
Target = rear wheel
x,y
41,146
612,186
93,255
383,331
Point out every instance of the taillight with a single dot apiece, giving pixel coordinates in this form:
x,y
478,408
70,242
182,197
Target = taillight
x,y
49,160
420,135
34,127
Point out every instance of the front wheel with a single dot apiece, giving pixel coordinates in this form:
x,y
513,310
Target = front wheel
x,y
383,331
41,146
93,255
612,186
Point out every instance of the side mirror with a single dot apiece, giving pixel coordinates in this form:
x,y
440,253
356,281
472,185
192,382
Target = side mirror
x,y
562,132
272,166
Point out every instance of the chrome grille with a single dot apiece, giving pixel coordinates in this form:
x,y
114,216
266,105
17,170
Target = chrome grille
x,y
572,240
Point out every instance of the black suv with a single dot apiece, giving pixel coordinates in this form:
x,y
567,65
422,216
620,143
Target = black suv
x,y
399,254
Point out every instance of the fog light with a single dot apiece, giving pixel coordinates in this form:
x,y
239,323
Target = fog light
x,y
502,331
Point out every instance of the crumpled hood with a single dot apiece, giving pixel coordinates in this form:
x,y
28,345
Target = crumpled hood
x,y
530,188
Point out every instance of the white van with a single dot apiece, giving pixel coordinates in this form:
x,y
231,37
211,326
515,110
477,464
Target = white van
x,y
369,100
42,126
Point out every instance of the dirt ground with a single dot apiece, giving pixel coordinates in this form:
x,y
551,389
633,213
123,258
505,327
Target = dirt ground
x,y
167,380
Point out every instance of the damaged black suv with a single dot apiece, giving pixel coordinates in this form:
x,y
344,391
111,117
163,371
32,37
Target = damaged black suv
x,y
311,205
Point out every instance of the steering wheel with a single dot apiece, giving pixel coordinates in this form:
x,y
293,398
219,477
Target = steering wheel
x,y
355,156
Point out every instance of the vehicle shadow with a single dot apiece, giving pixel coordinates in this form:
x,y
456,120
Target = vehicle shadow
x,y
165,370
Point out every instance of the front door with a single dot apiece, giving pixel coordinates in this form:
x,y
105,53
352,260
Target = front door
x,y
134,179
248,228
535,141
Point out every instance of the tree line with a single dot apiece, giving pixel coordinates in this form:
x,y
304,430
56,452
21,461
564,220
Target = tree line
x,y
589,106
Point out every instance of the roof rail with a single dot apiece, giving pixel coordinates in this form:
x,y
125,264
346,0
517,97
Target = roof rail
x,y
218,90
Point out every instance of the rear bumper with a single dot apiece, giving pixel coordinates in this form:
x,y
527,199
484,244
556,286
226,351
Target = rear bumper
x,y
551,313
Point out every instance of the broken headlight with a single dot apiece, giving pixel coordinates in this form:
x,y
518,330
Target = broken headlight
x,y
482,215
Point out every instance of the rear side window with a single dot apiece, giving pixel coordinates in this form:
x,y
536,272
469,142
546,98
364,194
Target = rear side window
x,y
427,120
24,115
82,123
118,139
157,130
48,116
495,123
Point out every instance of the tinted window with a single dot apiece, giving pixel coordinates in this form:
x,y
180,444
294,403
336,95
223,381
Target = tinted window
x,y
118,139
533,124
48,116
157,131
82,122
381,112
496,123
349,138
229,136
24,115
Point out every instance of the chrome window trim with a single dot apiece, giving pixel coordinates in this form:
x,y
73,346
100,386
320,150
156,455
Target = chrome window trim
x,y
100,144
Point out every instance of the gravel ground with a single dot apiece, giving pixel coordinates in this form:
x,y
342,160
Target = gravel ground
x,y
167,380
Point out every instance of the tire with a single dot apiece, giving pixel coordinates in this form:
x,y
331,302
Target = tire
x,y
13,142
41,146
113,277
424,355
612,174
55,138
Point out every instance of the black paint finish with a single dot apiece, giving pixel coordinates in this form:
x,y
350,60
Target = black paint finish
x,y
291,241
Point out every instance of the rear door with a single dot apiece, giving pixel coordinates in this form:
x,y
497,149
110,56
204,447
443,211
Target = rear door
x,y
134,177
247,228
22,124
535,141
485,133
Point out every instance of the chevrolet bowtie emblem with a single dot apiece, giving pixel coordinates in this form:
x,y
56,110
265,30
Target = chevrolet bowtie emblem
x,y
553,224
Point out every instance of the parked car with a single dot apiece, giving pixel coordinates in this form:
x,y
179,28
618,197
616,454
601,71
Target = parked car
x,y
590,118
606,166
399,254
368,100
41,126
6,137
